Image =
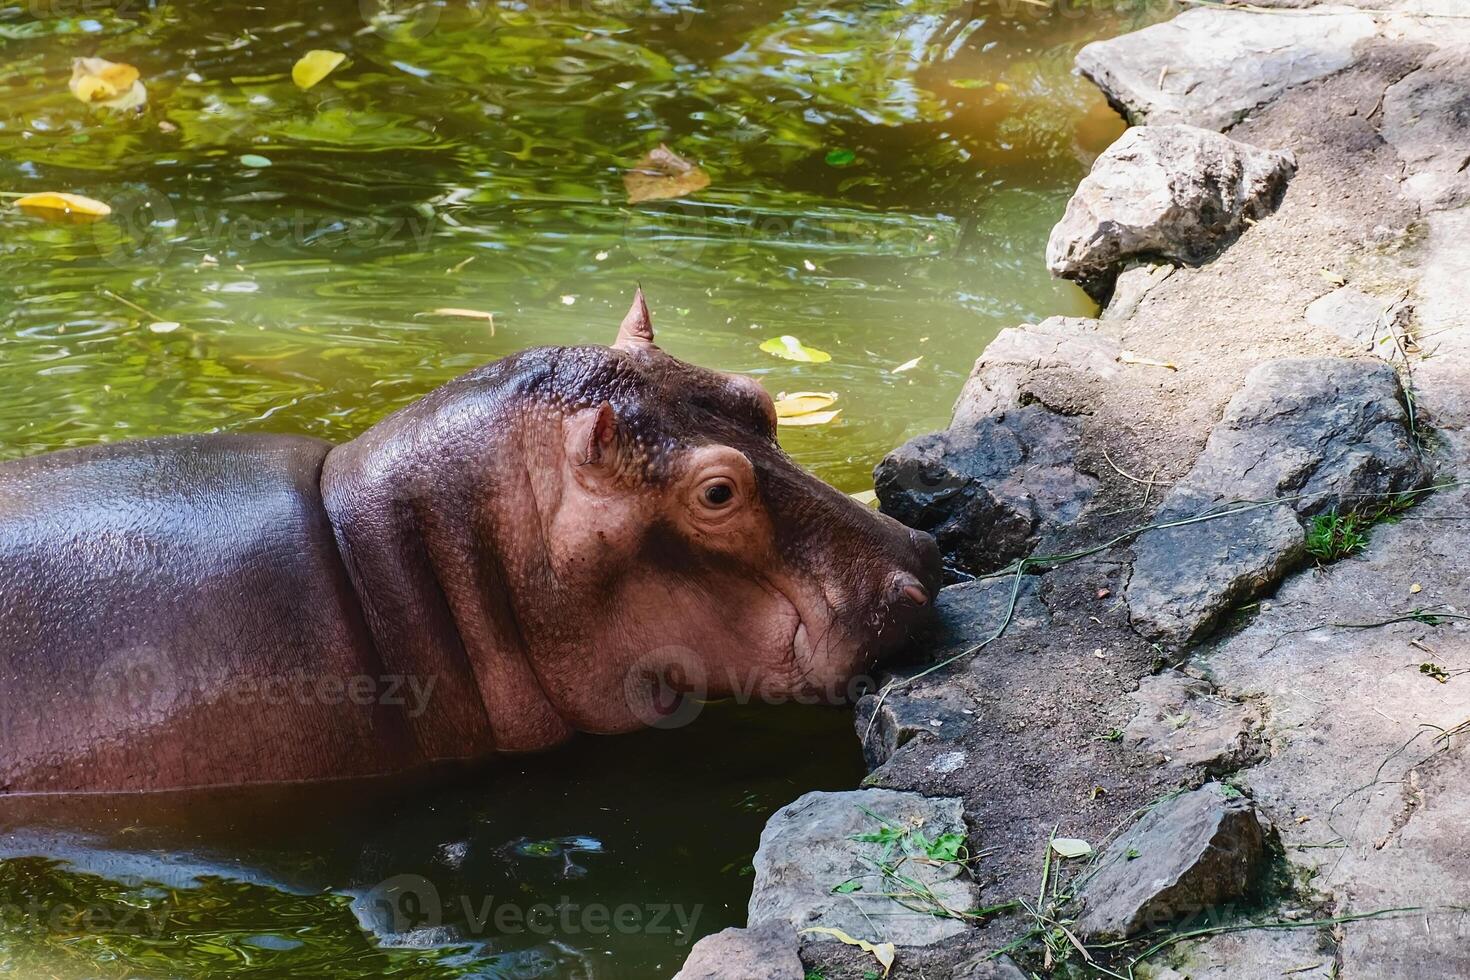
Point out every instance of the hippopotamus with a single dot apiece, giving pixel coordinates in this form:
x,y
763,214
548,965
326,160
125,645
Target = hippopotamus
x,y
569,539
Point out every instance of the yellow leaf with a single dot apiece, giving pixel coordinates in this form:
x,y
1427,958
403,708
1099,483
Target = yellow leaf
x,y
100,80
794,350
810,418
663,174
802,402
56,206
1128,357
865,497
485,315
313,66
907,365
884,953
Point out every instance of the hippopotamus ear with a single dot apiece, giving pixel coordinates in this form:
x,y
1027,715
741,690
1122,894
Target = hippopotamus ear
x,y
636,331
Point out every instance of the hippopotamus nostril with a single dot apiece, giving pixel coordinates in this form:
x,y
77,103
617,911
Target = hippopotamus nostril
x,y
909,590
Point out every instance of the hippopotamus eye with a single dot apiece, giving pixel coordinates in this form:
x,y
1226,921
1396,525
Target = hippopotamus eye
x,y
719,494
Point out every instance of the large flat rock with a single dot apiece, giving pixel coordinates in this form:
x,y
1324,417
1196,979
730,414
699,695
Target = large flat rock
x,y
1316,434
1179,193
808,848
1210,67
766,952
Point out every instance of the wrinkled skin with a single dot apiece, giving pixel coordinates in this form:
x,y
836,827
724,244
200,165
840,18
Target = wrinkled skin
x,y
568,540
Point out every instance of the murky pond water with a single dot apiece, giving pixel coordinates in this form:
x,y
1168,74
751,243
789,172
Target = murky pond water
x,y
883,175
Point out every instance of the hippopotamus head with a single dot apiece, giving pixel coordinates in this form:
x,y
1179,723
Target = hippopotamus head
x,y
597,526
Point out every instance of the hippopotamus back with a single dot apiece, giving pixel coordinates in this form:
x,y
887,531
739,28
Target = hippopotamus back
x,y
147,587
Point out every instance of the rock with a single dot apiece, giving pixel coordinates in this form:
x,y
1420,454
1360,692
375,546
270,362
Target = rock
x,y
1210,67
1360,318
1005,469
1062,363
1181,722
1172,192
766,952
1426,118
887,724
1132,285
984,968
987,491
1185,579
1330,433
807,849
1200,850
1298,954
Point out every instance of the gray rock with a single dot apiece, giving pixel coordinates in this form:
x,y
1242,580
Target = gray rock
x,y
1296,954
1062,363
1357,317
1200,850
766,952
1005,469
1132,285
1210,67
1173,192
983,968
807,848
1426,118
1328,433
1182,723
888,722
987,491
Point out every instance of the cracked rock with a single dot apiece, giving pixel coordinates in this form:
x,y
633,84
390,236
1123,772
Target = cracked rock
x,y
1329,433
807,849
765,952
1181,722
1211,67
1359,318
1163,192
1426,118
1199,850
887,724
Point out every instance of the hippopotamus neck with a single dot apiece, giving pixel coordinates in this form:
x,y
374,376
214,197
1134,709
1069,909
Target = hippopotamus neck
x,y
424,508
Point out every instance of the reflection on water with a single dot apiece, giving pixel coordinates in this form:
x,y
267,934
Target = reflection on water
x,y
883,177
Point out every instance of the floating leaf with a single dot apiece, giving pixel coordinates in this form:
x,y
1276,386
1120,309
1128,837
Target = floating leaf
x,y
840,158
163,326
810,418
313,66
865,497
663,174
1071,847
802,402
794,350
109,83
968,83
467,314
882,952
56,206
255,160
1128,357
907,365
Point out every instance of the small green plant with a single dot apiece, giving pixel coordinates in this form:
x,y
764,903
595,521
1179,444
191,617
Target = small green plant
x,y
1333,535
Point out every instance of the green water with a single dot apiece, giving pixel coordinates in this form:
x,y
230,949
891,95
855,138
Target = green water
x,y
883,176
